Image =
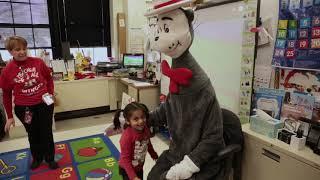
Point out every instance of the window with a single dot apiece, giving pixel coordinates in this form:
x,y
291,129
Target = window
x,y
28,19
47,24
85,24
97,54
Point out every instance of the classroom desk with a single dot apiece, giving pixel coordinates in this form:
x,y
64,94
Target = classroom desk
x,y
101,94
265,159
85,93
145,93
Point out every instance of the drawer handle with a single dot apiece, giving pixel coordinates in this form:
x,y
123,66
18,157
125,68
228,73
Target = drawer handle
x,y
271,155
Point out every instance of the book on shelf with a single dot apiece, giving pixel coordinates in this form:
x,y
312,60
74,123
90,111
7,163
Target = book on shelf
x,y
269,100
297,105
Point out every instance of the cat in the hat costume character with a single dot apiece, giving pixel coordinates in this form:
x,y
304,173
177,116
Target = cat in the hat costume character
x,y
192,112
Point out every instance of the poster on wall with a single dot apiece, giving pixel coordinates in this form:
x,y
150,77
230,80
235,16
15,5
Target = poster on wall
x,y
300,81
298,36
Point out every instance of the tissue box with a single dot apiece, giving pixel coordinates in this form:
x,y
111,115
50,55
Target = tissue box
x,y
265,127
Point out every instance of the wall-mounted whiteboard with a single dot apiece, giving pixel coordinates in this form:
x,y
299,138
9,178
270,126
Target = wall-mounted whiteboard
x,y
217,48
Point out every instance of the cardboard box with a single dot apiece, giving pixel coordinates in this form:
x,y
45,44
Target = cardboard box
x,y
265,127
122,33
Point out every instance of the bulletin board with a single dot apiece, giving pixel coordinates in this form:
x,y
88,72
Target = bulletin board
x,y
298,36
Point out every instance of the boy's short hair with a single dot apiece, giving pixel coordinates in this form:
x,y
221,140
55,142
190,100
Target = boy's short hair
x,y
13,41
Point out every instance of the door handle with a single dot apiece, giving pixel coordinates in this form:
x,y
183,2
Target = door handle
x,y
271,155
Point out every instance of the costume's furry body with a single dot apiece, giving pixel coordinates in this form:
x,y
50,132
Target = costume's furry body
x,y
193,114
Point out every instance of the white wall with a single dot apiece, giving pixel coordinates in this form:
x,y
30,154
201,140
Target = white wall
x,y
135,18
116,6
134,10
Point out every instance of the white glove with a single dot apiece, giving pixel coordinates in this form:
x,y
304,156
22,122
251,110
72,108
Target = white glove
x,y
182,170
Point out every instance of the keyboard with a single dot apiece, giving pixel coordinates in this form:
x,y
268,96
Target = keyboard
x,y
138,79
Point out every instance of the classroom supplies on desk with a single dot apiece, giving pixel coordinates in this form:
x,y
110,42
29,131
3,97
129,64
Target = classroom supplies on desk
x,y
136,83
59,66
269,100
285,136
104,67
268,127
293,127
298,141
313,138
85,75
83,63
297,105
138,79
123,72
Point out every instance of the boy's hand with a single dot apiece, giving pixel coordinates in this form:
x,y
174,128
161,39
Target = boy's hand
x,y
10,122
136,178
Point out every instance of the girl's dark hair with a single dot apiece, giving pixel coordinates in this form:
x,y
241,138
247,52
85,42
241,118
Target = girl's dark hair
x,y
127,112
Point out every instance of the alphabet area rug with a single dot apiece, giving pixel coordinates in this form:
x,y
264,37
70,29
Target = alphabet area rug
x,y
91,157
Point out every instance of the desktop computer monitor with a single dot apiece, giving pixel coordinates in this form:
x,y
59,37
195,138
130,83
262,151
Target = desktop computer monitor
x,y
133,60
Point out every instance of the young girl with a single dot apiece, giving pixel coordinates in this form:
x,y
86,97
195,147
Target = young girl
x,y
29,81
135,141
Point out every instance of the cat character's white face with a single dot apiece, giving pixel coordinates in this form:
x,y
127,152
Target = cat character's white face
x,y
171,34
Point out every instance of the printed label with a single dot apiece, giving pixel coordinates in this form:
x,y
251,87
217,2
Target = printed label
x,y
302,53
290,54
316,32
303,44
281,43
292,34
315,43
303,33
291,44
305,22
279,53
293,24
316,21
282,34
283,24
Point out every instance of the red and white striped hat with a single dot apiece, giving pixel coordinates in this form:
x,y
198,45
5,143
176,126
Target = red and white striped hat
x,y
162,6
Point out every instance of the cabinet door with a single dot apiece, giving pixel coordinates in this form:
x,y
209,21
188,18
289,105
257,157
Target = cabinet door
x,y
257,165
293,169
262,162
81,95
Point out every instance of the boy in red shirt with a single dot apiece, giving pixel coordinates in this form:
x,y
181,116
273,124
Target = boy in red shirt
x,y
29,80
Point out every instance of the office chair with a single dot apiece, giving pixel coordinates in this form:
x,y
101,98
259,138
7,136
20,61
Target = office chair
x,y
231,155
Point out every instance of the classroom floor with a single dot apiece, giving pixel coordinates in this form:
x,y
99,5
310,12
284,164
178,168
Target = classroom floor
x,y
80,127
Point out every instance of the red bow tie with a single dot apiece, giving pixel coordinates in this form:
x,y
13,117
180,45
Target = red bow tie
x,y
178,76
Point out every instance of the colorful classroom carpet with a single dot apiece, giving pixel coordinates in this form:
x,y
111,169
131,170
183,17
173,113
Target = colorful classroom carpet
x,y
88,158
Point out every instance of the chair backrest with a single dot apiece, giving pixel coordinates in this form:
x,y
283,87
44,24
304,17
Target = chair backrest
x,y
232,134
232,131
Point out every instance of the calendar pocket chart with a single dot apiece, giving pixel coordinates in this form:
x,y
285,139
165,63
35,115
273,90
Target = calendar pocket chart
x,y
297,42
